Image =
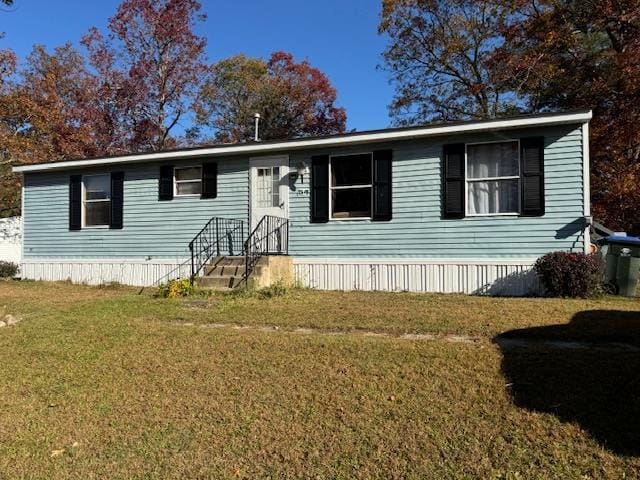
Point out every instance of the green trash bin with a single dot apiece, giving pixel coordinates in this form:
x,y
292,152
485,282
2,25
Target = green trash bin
x,y
622,263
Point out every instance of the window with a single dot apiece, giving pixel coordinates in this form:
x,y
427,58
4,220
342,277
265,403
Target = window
x,y
97,200
188,181
351,186
268,187
493,178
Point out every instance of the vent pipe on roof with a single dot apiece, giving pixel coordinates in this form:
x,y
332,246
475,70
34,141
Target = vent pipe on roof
x,y
256,117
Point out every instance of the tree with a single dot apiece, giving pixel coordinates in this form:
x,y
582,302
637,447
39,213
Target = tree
x,y
566,55
438,57
294,99
42,116
8,187
149,68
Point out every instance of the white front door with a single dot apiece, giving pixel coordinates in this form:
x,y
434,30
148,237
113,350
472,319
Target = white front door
x,y
269,187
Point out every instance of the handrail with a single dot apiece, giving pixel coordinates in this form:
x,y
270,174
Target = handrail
x,y
219,236
269,237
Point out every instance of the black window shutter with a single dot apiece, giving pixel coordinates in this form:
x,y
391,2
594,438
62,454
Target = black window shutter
x,y
165,187
382,200
117,199
453,201
532,172
320,189
209,180
75,202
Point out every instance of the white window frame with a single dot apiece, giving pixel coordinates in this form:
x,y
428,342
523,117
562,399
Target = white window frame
x,y
348,187
467,180
176,182
85,201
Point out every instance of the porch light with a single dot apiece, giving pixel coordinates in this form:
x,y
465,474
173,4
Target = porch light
x,y
303,169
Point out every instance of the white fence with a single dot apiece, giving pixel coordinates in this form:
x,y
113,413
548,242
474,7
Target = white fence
x,y
11,239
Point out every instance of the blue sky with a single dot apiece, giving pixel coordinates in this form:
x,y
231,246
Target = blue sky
x,y
338,36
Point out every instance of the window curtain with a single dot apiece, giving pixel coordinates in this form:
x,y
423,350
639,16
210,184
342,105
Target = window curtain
x,y
498,196
488,161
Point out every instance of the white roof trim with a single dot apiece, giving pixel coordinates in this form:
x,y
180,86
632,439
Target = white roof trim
x,y
381,136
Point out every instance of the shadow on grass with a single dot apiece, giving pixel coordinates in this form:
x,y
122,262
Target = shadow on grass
x,y
593,381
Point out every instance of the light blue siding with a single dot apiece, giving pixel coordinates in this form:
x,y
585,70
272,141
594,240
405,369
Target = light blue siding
x,y
151,228
417,229
163,229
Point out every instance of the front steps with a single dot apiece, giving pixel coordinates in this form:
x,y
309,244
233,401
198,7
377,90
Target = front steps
x,y
224,273
227,273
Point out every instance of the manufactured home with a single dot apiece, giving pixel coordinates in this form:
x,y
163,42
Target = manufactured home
x,y
455,207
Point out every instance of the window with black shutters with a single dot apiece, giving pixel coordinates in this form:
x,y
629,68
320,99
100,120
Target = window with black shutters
x,y
351,186
493,178
187,181
96,200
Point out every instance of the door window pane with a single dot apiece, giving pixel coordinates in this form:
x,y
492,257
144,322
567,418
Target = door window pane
x,y
275,190
268,187
497,196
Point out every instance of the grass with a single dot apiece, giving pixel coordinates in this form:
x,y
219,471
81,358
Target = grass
x,y
143,395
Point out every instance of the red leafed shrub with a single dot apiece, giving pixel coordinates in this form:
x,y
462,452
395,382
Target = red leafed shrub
x,y
565,274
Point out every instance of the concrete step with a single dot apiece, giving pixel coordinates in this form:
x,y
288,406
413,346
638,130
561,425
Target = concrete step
x,y
230,270
226,262
220,282
224,270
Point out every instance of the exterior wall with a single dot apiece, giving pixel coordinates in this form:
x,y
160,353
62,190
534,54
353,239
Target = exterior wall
x,y
416,251
417,229
11,239
153,230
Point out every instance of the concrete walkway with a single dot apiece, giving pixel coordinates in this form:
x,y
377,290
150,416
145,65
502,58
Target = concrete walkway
x,y
515,343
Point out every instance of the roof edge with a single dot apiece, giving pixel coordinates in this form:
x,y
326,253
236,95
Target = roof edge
x,y
546,119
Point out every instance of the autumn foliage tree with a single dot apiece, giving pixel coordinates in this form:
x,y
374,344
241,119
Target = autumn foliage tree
x,y
42,115
438,57
294,99
149,68
459,59
565,55
9,185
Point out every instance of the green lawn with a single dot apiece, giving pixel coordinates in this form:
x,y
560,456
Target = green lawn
x,y
106,383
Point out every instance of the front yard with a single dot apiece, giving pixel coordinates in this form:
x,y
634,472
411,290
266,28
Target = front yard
x,y
107,383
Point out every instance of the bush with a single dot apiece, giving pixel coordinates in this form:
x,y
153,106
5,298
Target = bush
x,y
565,274
177,288
8,269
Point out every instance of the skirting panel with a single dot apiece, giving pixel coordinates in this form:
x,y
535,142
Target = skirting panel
x,y
97,272
484,277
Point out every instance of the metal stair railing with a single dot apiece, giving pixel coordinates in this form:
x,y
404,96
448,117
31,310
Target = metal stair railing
x,y
220,236
269,237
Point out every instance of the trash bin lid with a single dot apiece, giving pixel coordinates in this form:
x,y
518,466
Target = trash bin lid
x,y
623,240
